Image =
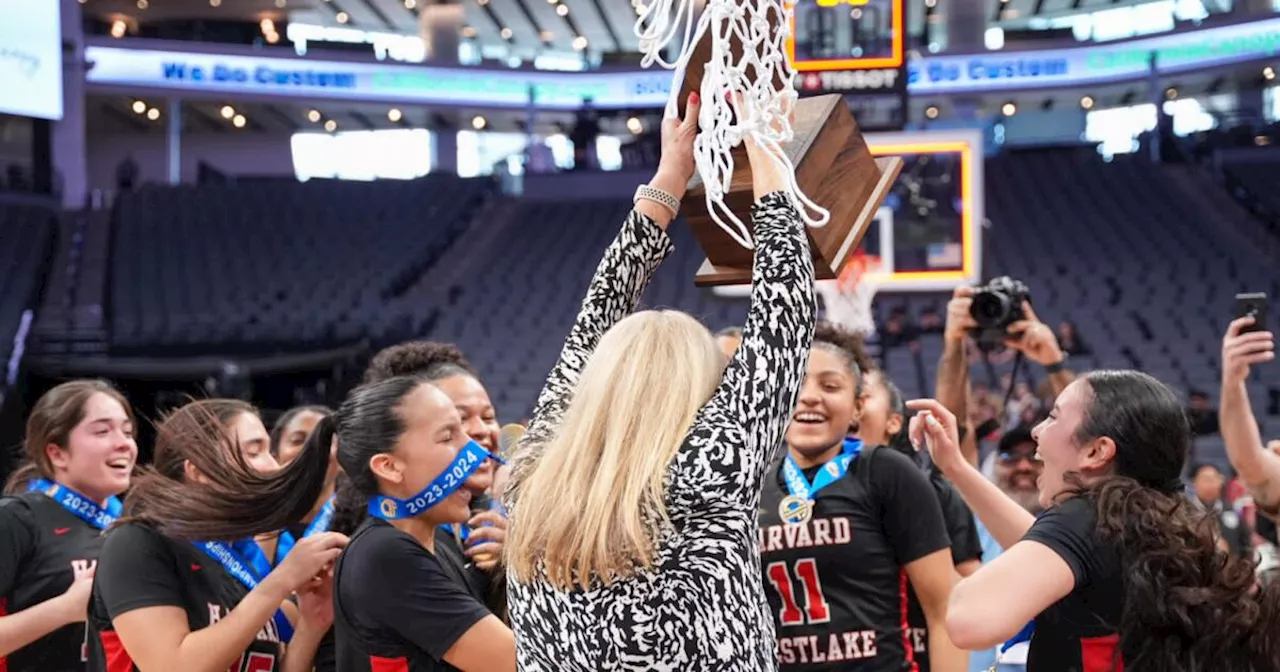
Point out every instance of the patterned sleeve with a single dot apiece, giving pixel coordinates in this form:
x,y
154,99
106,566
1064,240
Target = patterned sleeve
x,y
623,273
741,428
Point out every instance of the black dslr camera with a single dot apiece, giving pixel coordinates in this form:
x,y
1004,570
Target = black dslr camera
x,y
994,308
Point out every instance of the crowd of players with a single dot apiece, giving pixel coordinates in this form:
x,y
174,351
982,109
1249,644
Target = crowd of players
x,y
374,537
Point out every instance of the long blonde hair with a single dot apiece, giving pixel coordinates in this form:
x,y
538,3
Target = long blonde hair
x,y
589,509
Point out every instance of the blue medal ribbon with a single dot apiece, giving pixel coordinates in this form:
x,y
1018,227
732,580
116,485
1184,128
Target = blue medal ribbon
x,y
249,565
832,471
463,466
84,508
1024,635
318,524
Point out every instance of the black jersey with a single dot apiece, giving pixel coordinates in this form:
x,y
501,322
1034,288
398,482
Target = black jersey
x,y
1079,633
396,608
41,547
140,568
965,546
837,584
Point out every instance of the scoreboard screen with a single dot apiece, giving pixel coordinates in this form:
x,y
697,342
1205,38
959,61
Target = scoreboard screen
x,y
847,35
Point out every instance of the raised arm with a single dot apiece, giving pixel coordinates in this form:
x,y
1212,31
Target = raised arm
x,y
1259,468
623,273
760,385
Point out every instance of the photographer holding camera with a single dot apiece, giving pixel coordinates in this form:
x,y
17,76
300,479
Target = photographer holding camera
x,y
997,314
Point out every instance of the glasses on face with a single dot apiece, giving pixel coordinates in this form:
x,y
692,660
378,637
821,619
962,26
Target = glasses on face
x,y
1011,457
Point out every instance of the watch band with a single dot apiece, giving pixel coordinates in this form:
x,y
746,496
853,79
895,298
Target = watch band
x,y
658,196
1056,368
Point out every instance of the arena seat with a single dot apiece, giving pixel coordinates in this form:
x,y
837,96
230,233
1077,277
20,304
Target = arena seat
x,y
264,266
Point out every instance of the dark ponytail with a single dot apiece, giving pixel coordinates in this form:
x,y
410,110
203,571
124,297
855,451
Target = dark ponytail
x,y
1188,606
368,422
236,502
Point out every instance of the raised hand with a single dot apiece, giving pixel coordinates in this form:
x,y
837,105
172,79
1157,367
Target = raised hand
x,y
309,559
1034,338
935,427
488,536
676,166
315,600
959,319
1241,351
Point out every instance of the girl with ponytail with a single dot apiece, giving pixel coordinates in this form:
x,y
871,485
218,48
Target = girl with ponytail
x,y
1120,572
406,456
176,588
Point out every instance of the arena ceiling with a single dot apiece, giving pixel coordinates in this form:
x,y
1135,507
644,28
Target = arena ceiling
x,y
528,26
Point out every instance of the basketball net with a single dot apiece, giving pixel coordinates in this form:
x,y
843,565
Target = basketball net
x,y
848,298
764,106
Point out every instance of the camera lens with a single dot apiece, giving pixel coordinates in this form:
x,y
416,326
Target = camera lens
x,y
989,308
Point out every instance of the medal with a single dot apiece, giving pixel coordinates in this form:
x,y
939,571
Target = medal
x,y
795,510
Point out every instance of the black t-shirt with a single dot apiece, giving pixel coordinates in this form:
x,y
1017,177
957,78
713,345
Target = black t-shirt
x,y
1079,632
837,584
396,608
41,546
141,568
965,546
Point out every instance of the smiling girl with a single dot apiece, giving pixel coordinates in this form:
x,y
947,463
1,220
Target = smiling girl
x,y
80,451
1120,572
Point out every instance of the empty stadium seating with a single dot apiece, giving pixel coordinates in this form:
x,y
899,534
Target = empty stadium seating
x,y
276,266
26,239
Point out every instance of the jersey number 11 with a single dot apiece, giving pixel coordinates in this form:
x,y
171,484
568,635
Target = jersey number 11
x,y
815,603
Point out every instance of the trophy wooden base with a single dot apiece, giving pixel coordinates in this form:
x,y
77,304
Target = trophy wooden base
x,y
834,168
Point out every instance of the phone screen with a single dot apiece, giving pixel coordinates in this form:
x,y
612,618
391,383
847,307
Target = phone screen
x,y
1255,305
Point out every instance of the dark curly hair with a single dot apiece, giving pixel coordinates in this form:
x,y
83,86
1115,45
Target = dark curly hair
x,y
848,345
1187,605
432,360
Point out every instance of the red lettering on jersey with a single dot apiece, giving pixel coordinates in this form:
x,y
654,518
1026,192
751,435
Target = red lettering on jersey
x,y
61,530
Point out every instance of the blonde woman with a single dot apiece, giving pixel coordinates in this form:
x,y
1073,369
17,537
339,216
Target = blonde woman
x,y
634,495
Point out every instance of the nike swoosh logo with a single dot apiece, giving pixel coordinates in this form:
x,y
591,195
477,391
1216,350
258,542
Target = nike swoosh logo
x,y
195,567
61,530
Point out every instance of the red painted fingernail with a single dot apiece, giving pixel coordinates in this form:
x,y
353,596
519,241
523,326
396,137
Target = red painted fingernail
x,y
693,98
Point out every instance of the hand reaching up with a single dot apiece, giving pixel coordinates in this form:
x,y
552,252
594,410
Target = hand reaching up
x,y
1242,351
935,427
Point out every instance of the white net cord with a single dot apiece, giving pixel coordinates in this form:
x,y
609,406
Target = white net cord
x,y
763,106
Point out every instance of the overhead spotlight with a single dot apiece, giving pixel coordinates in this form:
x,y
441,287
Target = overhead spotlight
x,y
228,111
139,107
153,114
478,122
552,2
118,29
931,112
410,4
579,42
930,3
1009,109
215,3
281,3
238,121
855,13
505,33
83,1
545,36
341,17
482,3
1268,73
331,125
394,115
468,31
143,4
635,125
1171,93
562,10
313,116
1087,102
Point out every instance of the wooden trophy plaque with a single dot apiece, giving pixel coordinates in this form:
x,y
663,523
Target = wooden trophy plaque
x,y
834,168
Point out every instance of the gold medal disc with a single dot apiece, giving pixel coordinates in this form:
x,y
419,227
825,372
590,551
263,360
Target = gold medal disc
x,y
795,510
